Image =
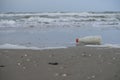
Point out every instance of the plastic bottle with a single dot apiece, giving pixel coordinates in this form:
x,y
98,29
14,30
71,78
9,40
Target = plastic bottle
x,y
94,40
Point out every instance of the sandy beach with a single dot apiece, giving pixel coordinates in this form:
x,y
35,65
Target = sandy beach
x,y
75,63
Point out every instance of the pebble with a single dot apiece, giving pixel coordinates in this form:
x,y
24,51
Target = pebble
x,y
89,55
26,55
2,66
84,55
19,64
88,77
21,57
56,74
61,67
28,60
24,67
93,76
113,58
64,75
50,56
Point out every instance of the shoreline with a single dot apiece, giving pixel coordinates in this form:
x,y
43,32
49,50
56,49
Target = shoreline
x,y
73,63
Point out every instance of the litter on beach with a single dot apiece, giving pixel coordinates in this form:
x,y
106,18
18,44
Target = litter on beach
x,y
94,40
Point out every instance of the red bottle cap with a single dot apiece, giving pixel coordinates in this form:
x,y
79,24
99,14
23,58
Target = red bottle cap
x,y
77,40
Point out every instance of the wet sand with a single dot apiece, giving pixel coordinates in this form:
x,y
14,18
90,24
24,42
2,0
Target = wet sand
x,y
77,63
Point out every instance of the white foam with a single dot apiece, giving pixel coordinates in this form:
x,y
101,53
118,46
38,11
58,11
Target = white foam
x,y
69,19
7,22
38,19
12,46
105,45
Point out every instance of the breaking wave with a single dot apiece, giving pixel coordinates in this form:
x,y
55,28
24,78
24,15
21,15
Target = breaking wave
x,y
12,46
105,45
59,19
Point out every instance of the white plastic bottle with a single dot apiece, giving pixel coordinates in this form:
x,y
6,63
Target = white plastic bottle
x,y
94,40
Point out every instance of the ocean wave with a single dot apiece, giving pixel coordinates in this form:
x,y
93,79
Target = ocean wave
x,y
7,23
105,45
56,19
13,46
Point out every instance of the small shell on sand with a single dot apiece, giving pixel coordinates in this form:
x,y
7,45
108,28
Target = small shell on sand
x,y
64,75
25,55
89,55
93,76
113,58
86,55
19,64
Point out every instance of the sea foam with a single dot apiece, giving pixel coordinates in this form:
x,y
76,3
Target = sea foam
x,y
12,46
74,19
105,45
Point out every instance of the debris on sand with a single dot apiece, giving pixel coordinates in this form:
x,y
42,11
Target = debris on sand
x,y
62,75
86,55
53,63
2,65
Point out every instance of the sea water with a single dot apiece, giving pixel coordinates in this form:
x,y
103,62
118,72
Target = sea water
x,y
57,30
